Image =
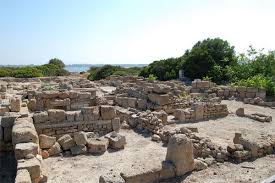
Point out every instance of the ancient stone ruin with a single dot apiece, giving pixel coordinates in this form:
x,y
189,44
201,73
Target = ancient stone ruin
x,y
77,117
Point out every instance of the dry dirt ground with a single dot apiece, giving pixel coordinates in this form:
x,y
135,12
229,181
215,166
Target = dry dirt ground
x,y
141,151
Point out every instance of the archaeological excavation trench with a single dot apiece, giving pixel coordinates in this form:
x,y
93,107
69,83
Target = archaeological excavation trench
x,y
126,129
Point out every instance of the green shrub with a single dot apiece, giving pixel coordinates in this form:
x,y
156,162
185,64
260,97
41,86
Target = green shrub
x,y
151,78
27,72
258,81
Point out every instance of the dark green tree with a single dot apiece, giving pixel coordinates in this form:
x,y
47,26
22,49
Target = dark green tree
x,y
57,62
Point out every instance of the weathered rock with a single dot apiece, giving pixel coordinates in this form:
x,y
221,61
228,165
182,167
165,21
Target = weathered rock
x,y
80,138
23,176
66,142
78,149
180,152
199,165
55,149
23,131
156,138
240,112
46,141
162,115
40,117
33,166
15,104
98,145
111,178
161,89
159,99
90,113
24,150
56,115
107,112
116,124
116,140
45,154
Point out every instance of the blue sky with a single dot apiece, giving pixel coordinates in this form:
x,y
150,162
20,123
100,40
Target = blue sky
x,y
127,31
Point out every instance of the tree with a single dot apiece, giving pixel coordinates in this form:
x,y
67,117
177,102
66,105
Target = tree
x,y
58,62
207,58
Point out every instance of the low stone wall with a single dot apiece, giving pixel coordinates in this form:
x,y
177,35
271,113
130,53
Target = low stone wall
x,y
67,100
30,167
56,122
245,148
201,112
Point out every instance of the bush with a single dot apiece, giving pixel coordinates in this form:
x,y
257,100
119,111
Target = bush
x,y
151,78
97,73
258,81
27,72
57,62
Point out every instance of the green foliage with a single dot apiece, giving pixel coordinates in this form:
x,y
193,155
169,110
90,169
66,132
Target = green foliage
x,y
151,78
54,68
57,62
209,58
163,69
258,81
97,73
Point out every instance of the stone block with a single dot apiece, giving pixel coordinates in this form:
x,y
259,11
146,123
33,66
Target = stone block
x,y
116,140
90,113
161,89
40,117
70,116
15,104
46,142
56,115
80,138
23,176
180,152
24,131
162,115
116,124
240,112
141,104
78,149
33,166
179,114
111,178
132,102
55,149
159,99
107,112
98,145
66,142
78,116
250,94
199,108
25,150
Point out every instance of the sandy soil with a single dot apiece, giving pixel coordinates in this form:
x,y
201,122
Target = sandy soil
x,y
88,168
232,173
221,131
141,151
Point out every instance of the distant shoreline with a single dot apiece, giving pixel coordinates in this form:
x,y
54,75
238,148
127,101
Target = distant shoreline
x,y
82,67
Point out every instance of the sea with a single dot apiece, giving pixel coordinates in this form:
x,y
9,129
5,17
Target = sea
x,y
86,67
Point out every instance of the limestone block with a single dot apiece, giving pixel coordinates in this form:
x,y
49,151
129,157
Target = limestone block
x,y
55,149
141,104
159,99
40,117
116,140
56,115
132,102
78,116
46,141
84,95
23,176
90,113
161,89
98,145
240,112
23,131
199,108
107,112
78,149
3,110
33,166
25,150
80,138
66,142
70,116
15,104
180,152
179,114
116,124
250,94
162,115
111,178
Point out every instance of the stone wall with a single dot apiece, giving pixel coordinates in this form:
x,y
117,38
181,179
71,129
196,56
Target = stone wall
x,y
56,122
67,100
201,112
